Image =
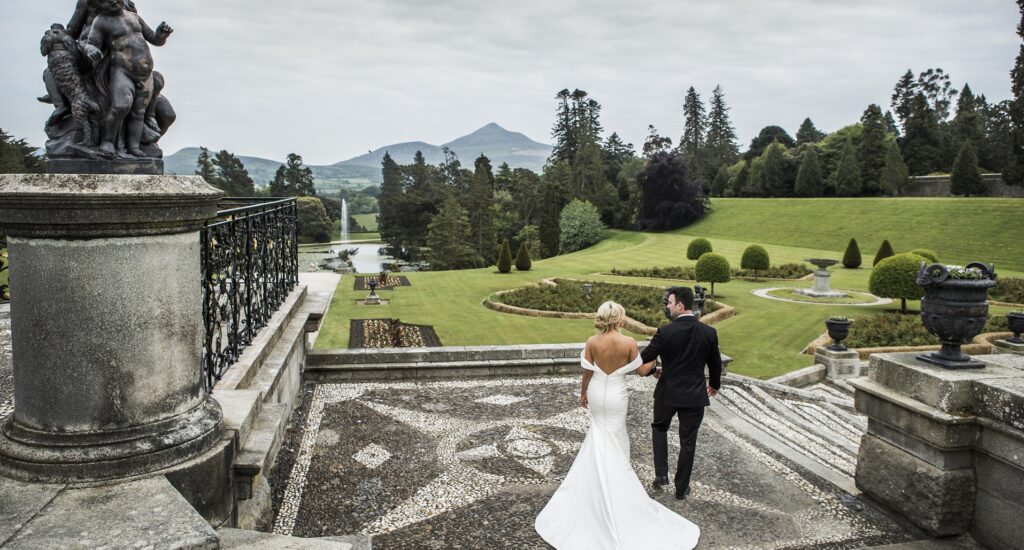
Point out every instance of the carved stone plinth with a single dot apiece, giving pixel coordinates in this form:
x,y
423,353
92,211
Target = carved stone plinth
x,y
107,325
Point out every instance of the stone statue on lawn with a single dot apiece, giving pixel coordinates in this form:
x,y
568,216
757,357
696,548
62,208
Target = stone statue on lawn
x,y
108,109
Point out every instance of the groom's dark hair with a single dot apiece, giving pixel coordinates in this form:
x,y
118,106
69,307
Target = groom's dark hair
x,y
683,294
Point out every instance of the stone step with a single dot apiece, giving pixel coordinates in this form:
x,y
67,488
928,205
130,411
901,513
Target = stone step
x,y
257,454
445,369
274,375
257,540
801,420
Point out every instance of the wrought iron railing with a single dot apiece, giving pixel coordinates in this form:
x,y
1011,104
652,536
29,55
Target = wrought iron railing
x,y
250,263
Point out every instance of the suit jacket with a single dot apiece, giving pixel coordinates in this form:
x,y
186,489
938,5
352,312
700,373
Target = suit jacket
x,y
685,346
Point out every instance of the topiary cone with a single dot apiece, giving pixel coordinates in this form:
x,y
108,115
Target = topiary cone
x,y
505,258
884,252
851,258
523,262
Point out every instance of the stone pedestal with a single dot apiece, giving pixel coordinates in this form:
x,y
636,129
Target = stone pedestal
x,y
839,364
821,288
1005,346
107,325
944,447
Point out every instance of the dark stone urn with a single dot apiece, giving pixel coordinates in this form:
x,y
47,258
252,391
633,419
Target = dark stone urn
x,y
838,330
1015,321
955,309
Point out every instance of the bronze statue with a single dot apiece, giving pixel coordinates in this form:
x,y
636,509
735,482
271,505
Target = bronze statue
x,y
100,79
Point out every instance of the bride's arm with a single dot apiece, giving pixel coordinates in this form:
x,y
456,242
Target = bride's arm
x,y
587,375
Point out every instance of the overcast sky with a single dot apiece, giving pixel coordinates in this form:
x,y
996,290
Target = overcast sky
x,y
332,79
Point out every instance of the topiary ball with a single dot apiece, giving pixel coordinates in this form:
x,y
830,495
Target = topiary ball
x,y
697,248
755,257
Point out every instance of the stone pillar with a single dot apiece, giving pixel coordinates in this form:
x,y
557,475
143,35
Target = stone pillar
x,y
107,326
839,364
944,447
821,280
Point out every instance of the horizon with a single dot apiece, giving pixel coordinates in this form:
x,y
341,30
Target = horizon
x,y
405,72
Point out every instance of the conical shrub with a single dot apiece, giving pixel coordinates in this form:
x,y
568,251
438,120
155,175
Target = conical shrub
x,y
505,257
884,252
523,262
851,258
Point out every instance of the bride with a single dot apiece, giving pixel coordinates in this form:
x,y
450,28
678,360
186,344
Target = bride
x,y
601,504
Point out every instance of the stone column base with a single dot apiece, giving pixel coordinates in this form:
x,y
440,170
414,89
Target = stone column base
x,y
940,502
839,364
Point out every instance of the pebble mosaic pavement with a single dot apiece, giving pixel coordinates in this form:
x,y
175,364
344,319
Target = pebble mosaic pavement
x,y
6,368
470,463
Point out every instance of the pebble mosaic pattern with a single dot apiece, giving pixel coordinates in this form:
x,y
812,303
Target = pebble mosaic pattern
x,y
6,368
470,463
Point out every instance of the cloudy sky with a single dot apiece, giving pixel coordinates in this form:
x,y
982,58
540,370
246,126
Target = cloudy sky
x,y
332,79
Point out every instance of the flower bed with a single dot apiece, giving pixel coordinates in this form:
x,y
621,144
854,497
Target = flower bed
x,y
895,329
361,282
390,333
784,271
642,303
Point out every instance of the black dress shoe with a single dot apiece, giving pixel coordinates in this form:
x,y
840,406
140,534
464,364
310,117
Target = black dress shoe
x,y
681,495
660,481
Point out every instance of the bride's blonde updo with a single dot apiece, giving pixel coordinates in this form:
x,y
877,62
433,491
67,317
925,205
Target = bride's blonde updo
x,y
609,316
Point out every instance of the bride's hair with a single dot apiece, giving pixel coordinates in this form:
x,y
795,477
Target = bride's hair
x,y
609,316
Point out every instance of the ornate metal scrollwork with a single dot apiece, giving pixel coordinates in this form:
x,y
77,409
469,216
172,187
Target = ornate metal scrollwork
x,y
250,264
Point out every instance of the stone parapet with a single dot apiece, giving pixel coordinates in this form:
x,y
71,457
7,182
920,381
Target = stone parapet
x,y
945,448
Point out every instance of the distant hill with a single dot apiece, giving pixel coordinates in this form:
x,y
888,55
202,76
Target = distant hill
x,y
499,144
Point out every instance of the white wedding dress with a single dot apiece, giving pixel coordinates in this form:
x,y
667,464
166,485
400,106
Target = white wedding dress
x,y
602,504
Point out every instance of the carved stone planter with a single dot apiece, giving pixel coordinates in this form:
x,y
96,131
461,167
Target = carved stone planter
x,y
838,330
1015,321
955,310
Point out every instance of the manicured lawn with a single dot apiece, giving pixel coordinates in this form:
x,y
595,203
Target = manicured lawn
x,y
369,221
765,337
959,230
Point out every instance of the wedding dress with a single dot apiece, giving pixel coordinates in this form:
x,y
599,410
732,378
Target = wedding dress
x,y
601,504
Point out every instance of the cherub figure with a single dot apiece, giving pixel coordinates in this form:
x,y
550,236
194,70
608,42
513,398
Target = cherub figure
x,y
123,35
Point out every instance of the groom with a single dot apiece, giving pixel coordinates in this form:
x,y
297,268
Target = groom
x,y
685,345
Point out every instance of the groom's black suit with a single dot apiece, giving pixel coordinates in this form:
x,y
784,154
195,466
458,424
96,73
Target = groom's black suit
x,y
685,346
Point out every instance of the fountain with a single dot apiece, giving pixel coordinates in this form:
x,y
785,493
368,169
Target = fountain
x,y
344,221
821,276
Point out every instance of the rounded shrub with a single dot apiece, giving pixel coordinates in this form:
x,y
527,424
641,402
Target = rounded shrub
x,y
523,262
579,226
851,258
505,258
755,257
884,252
927,254
697,248
712,268
896,277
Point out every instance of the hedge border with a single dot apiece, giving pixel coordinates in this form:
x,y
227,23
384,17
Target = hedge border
x,y
631,324
981,345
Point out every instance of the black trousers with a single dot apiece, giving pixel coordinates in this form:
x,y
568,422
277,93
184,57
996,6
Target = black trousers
x,y
690,419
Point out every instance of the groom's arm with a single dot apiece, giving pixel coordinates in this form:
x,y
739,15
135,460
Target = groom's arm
x,y
714,361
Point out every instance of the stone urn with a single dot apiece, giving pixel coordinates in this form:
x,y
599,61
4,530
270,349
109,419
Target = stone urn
x,y
838,330
1015,321
955,308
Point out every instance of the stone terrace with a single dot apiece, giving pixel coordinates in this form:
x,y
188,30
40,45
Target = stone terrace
x,y
469,464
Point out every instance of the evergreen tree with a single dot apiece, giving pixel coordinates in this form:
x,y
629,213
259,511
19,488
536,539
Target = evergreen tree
x,y
481,216
449,236
809,181
890,124
503,180
965,179
872,150
968,125
773,171
766,137
205,168
694,125
808,133
555,179
851,258
922,140
505,258
884,252
18,157
847,179
903,96
997,149
1013,171
669,197
739,181
389,221
935,85
721,182
523,262
895,177
721,147
293,179
232,176
754,186
655,143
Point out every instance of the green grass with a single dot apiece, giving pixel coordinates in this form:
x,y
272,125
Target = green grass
x,y
960,230
369,221
765,337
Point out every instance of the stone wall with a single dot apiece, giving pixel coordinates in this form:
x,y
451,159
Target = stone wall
x,y
938,186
